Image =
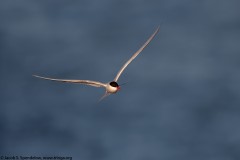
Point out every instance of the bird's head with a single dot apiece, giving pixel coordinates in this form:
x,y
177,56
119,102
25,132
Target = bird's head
x,y
112,87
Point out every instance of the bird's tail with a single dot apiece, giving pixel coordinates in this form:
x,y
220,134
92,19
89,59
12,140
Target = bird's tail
x,y
104,96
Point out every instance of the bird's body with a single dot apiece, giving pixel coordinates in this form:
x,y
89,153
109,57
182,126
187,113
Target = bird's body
x,y
111,87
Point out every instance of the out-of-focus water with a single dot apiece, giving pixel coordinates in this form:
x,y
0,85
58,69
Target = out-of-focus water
x,y
181,100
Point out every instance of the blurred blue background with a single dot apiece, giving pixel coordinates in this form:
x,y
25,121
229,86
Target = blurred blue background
x,y
181,100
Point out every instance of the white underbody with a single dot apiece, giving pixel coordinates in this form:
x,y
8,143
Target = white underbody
x,y
111,89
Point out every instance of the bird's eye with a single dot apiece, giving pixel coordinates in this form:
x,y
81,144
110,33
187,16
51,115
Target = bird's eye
x,y
114,84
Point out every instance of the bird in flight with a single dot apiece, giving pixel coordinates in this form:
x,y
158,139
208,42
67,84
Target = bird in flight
x,y
113,86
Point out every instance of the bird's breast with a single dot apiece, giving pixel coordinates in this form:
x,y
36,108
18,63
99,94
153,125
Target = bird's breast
x,y
111,89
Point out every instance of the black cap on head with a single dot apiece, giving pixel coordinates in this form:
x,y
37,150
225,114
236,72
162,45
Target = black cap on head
x,y
114,84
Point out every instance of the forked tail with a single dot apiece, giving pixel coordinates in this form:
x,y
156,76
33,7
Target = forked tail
x,y
104,96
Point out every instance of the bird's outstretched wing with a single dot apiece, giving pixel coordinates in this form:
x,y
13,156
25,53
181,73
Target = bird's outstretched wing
x,y
86,82
135,55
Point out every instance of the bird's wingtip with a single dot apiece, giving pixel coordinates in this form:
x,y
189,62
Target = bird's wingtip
x,y
37,76
158,28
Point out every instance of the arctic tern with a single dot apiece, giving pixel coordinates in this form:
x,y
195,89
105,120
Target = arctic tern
x,y
113,86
